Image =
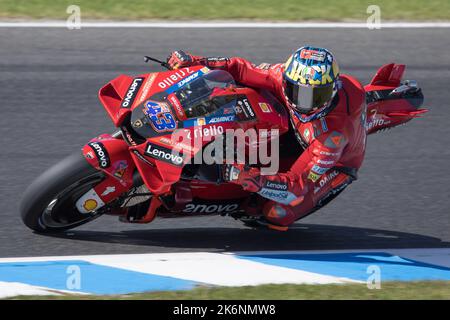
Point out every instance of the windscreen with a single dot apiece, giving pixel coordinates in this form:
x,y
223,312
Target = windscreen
x,y
195,95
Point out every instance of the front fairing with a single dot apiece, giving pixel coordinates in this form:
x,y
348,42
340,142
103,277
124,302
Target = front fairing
x,y
161,149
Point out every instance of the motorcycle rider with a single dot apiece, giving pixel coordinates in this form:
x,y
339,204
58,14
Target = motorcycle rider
x,y
327,111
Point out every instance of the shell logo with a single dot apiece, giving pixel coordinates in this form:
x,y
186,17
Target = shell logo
x,y
90,205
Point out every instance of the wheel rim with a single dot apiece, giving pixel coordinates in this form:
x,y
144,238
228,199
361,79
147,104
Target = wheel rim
x,y
61,211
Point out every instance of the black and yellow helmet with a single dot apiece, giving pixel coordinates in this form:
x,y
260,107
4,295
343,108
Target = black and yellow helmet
x,y
310,79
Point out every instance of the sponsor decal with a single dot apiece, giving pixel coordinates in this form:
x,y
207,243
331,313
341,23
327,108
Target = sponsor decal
x,y
201,121
221,119
244,109
277,212
313,55
264,107
177,83
177,106
209,131
160,116
164,154
313,176
101,153
89,202
119,169
275,185
280,196
174,78
142,158
151,108
248,108
210,208
374,120
128,137
377,122
325,180
147,85
306,134
138,123
238,110
334,140
330,154
89,155
325,162
90,205
319,170
217,59
108,190
127,101
189,79
176,144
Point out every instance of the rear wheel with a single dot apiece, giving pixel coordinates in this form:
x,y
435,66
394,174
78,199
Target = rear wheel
x,y
48,204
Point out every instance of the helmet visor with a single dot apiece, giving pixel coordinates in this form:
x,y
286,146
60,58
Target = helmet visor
x,y
308,98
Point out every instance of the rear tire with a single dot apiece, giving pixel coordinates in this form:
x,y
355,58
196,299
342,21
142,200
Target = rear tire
x,y
65,182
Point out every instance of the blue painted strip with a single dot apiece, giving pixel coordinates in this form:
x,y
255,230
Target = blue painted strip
x,y
95,279
354,265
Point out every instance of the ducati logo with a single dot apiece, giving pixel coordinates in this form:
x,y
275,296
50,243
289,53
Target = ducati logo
x,y
138,123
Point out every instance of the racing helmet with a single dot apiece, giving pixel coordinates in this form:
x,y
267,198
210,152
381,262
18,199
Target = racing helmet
x,y
310,81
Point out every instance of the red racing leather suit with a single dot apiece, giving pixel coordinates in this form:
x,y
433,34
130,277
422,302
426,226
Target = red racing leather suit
x,y
334,145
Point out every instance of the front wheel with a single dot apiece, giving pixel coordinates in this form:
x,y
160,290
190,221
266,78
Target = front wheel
x,y
48,204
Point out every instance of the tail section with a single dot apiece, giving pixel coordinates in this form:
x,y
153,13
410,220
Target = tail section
x,y
391,102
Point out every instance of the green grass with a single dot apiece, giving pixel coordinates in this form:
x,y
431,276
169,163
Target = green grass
x,y
389,290
291,10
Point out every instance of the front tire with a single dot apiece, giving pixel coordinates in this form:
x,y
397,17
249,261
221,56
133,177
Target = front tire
x,y
48,204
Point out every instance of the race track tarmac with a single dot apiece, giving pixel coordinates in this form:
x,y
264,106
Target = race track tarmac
x,y
49,80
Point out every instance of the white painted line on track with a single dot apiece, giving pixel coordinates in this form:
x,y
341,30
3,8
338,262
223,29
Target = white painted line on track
x,y
212,268
172,271
216,269
13,289
221,24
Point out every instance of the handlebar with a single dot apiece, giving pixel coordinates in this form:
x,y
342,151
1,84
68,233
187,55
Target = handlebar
x,y
164,64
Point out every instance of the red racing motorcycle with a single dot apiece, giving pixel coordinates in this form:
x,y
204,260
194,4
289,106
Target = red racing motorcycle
x,y
164,119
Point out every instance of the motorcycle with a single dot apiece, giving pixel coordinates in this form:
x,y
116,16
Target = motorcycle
x,y
141,172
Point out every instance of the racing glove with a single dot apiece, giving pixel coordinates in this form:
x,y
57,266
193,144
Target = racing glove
x,y
281,188
180,59
249,178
